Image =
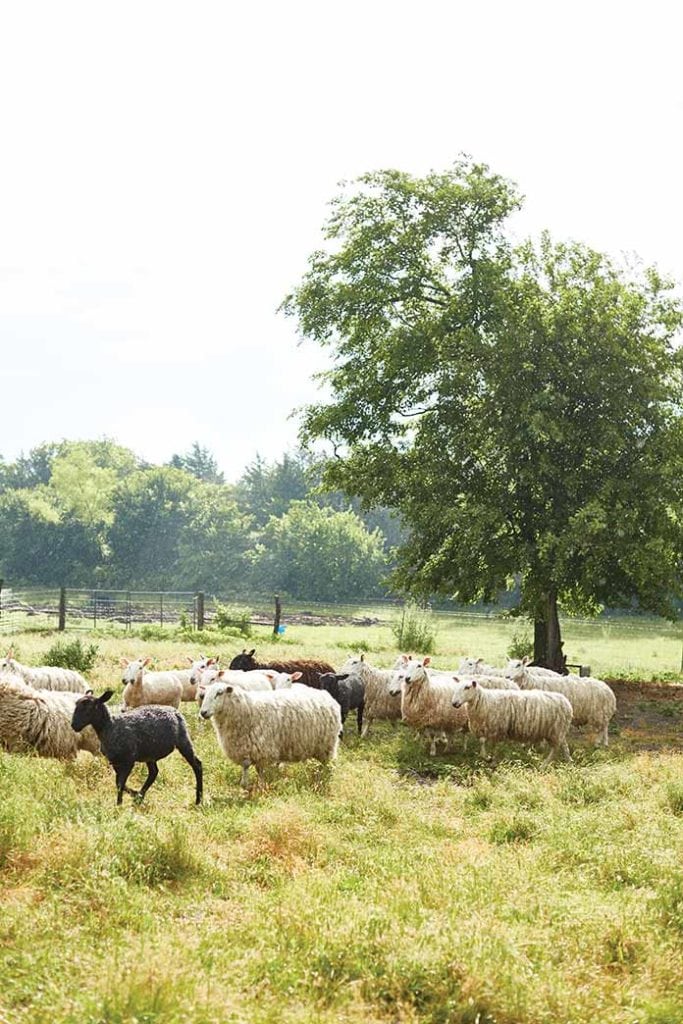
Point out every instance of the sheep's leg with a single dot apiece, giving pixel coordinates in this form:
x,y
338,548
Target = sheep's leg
x,y
602,738
359,715
244,781
482,746
565,750
122,773
366,727
152,772
551,755
432,744
187,750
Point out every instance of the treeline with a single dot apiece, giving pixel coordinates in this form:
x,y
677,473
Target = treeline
x,y
91,513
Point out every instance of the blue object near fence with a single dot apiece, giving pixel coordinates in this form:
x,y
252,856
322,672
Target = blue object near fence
x,y
281,629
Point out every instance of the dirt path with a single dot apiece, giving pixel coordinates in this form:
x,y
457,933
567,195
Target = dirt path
x,y
649,715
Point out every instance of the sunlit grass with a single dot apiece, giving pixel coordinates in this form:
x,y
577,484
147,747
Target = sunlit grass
x,y
402,889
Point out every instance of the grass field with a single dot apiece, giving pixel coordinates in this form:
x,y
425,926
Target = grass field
x,y
401,889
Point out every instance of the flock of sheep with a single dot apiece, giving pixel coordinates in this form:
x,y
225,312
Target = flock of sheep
x,y
271,712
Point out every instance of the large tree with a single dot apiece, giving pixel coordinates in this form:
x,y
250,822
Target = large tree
x,y
519,407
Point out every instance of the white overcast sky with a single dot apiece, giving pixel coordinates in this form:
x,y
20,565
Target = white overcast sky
x,y
165,169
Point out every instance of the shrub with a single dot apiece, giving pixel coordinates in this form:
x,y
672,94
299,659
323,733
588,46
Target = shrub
x,y
232,616
416,629
521,645
72,654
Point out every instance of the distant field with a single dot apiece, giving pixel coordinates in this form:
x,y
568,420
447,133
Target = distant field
x,y
404,889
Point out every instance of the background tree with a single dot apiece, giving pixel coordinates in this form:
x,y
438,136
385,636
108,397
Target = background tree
x,y
520,408
200,463
318,554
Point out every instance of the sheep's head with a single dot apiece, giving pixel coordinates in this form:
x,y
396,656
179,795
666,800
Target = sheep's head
x,y
464,691
516,669
471,666
90,710
244,662
412,674
200,666
8,664
132,670
215,694
353,665
282,680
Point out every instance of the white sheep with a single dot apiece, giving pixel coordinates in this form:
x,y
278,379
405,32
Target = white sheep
x,y
143,687
427,701
187,677
40,720
255,679
44,677
262,727
380,703
593,702
534,670
526,715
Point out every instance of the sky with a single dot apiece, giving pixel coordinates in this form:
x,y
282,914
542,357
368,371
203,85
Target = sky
x,y
166,169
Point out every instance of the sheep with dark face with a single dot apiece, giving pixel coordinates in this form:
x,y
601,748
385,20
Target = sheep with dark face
x,y
309,668
146,734
348,691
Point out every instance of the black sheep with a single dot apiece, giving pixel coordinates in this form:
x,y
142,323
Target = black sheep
x,y
310,668
347,690
147,734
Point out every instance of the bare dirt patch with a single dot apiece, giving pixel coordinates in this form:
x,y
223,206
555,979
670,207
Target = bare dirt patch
x,y
649,714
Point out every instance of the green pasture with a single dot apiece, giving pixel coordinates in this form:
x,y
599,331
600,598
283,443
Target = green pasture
x,y
394,889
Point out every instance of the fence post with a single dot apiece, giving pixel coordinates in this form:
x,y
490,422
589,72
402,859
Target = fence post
x,y
62,609
278,613
199,600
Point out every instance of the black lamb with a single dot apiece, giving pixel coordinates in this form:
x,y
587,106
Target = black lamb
x,y
147,734
348,691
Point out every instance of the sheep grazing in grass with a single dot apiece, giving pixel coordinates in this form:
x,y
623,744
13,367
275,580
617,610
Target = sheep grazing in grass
x,y
146,734
263,727
310,669
40,720
427,702
526,715
348,691
44,677
592,700
143,687
380,704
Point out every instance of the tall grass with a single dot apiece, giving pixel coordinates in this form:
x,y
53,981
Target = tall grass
x,y
403,888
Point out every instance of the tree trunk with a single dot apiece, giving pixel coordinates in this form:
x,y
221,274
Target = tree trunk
x,y
547,637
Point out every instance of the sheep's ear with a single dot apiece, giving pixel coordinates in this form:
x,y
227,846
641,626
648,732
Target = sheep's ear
x,y
189,659
345,676
296,675
525,660
10,653
479,661
252,652
426,661
124,662
229,689
456,679
146,662
474,684
221,673
88,693
107,695
362,657
270,674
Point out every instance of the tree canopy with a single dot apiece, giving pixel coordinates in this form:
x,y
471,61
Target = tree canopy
x,y
520,406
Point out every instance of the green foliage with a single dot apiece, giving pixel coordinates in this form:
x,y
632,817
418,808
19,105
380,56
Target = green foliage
x,y
415,629
200,463
521,645
521,408
318,554
72,654
232,616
